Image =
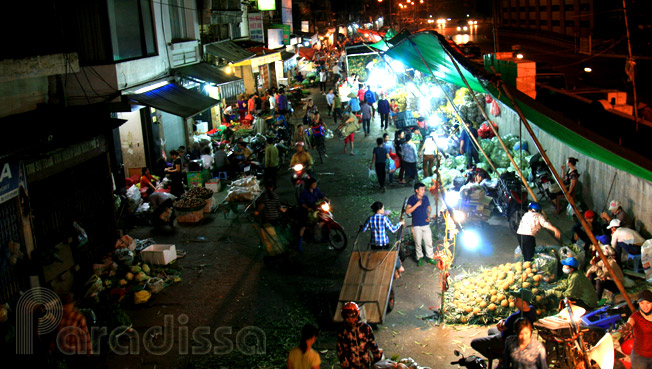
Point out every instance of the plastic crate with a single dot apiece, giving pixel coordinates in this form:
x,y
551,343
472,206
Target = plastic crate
x,y
601,319
159,254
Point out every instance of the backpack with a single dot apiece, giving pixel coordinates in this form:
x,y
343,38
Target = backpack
x,y
370,97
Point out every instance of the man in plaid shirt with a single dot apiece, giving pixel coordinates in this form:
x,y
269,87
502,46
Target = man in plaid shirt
x,y
378,223
74,337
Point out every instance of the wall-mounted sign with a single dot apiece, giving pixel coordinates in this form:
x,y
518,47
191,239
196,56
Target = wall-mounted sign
x,y
11,177
286,32
256,30
305,26
274,38
266,4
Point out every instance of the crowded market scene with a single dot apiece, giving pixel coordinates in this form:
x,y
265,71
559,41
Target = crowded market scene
x,y
367,193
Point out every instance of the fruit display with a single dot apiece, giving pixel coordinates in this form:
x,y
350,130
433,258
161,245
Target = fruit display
x,y
400,95
189,203
200,192
483,297
358,64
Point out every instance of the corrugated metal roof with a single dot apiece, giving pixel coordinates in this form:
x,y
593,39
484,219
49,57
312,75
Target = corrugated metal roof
x,y
206,72
229,50
175,100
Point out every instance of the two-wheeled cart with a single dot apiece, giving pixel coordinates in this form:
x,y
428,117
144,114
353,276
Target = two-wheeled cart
x,y
368,280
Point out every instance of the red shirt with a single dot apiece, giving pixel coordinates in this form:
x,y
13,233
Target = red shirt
x,y
145,181
642,335
361,93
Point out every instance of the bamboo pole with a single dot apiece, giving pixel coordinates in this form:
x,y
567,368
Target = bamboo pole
x,y
489,122
571,201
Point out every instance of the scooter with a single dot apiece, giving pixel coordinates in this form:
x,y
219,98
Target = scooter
x,y
540,175
509,198
324,228
471,362
298,178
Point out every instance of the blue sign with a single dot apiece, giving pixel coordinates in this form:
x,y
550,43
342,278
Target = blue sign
x,y
10,180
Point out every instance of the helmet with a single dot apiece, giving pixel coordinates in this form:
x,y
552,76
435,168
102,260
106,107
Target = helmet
x,y
589,214
534,206
571,262
350,310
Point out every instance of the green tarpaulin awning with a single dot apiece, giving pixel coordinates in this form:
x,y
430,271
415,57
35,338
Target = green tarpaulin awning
x,y
391,38
437,52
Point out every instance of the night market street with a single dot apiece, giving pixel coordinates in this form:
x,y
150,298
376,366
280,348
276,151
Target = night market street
x,y
226,284
301,184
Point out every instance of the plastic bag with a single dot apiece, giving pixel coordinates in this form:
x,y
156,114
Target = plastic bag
x,y
546,264
495,109
372,175
518,254
646,259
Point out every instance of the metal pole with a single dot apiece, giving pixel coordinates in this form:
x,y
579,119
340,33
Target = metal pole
x,y
571,201
490,124
630,59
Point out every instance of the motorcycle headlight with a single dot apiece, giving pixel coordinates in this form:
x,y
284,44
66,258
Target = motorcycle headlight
x,y
297,167
325,206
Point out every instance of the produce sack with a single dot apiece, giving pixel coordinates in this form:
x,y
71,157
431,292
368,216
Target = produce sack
x,y
646,259
495,109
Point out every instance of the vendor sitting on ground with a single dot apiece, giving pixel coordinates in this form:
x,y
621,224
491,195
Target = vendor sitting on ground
x,y
576,286
493,346
617,212
598,273
147,181
578,230
241,153
624,238
161,203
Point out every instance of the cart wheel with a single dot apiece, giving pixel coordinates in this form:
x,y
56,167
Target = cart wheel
x,y
390,304
337,239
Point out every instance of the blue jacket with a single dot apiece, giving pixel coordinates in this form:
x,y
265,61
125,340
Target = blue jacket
x,y
383,106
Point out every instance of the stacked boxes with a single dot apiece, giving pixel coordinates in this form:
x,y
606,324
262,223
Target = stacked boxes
x,y
517,73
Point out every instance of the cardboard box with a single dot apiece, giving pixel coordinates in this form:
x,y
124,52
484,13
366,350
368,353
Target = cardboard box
x,y
159,254
214,184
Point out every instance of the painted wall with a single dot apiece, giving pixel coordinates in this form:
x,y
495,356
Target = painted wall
x,y
595,176
131,141
20,96
173,132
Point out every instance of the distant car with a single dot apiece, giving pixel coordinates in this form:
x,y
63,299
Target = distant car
x,y
462,27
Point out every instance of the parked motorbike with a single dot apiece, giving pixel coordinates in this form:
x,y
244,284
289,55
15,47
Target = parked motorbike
x,y
324,227
471,362
509,198
541,176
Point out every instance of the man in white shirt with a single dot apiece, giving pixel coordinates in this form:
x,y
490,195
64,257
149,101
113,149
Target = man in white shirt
x,y
624,238
337,74
531,224
329,100
323,75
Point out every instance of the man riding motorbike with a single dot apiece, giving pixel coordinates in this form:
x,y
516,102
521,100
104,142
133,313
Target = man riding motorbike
x,y
308,200
302,157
